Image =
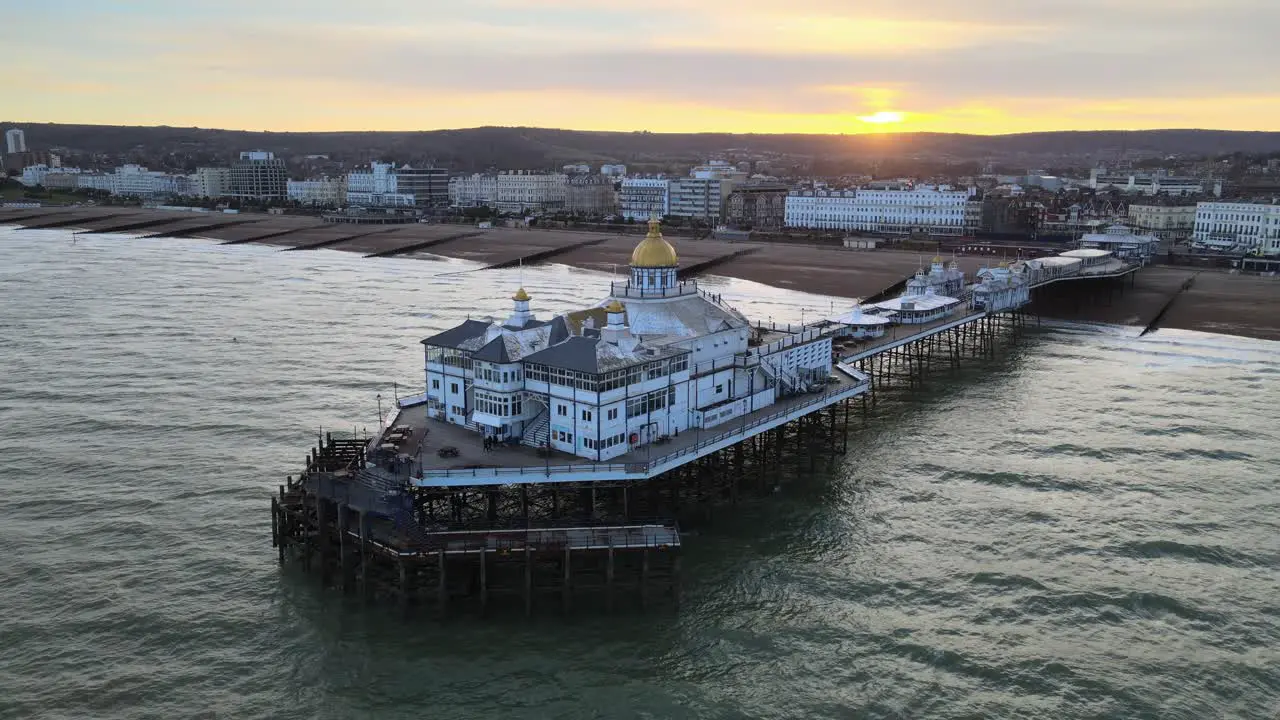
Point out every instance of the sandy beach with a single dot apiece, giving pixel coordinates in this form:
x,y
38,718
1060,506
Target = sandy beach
x,y
1215,302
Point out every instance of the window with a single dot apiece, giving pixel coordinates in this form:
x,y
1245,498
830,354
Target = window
x,y
613,413
453,388
562,410
435,384
719,389
586,414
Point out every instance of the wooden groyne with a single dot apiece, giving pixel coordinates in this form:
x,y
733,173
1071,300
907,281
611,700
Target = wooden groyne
x,y
542,256
339,240
267,236
697,269
70,222
136,225
1155,321
189,232
426,244
4,219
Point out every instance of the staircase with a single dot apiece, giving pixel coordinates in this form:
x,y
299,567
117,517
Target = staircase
x,y
786,380
536,432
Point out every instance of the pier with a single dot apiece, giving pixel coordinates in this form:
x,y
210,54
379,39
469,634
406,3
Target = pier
x,y
502,485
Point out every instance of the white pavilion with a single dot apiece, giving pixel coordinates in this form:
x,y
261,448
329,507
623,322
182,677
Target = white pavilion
x,y
655,358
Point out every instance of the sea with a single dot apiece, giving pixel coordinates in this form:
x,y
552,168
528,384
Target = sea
x,y
1087,526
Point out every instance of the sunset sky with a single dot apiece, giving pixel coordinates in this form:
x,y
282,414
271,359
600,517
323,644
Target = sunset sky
x,y
814,66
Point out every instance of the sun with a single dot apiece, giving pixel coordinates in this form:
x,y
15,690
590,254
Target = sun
x,y
883,117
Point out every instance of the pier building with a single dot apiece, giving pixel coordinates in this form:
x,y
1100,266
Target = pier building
x,y
944,280
919,304
862,325
1123,243
1001,288
656,358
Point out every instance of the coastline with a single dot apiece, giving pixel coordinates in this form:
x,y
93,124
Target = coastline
x,y
1215,302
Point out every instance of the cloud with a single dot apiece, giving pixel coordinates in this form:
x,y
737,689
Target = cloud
x,y
985,66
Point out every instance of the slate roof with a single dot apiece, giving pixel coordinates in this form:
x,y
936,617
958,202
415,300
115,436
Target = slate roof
x,y
527,326
495,351
456,336
576,353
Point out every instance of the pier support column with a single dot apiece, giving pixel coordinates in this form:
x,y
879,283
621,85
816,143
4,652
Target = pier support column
x,y
608,579
443,589
484,583
675,578
364,554
404,588
644,578
344,565
322,541
566,584
528,582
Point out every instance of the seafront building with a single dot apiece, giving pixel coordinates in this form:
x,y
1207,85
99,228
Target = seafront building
x,y
757,206
129,180
512,191
887,208
428,185
257,176
698,198
933,209
318,192
1172,223
377,187
472,191
1238,227
641,198
591,195
211,182
821,209
1155,184
656,358
525,190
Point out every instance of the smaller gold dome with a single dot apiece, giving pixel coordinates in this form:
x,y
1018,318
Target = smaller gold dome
x,y
654,251
520,296
614,307
937,258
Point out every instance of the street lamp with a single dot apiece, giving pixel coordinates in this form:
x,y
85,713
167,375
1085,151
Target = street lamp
x,y
380,413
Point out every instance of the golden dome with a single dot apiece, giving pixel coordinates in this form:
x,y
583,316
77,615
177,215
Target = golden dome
x,y
654,251
614,307
520,296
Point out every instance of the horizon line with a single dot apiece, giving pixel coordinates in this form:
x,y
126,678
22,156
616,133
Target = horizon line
x,y
880,133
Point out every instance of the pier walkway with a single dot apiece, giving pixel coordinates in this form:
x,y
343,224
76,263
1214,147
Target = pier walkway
x,y
852,350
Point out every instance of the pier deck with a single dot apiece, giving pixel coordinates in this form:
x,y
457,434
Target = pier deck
x,y
505,464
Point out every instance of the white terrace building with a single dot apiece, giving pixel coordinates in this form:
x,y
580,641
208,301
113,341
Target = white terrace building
x,y
658,357
939,210
1238,227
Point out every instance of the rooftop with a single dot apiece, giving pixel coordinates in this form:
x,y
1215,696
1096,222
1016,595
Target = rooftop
x,y
916,302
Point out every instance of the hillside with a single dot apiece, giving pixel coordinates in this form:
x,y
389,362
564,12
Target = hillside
x,y
499,147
